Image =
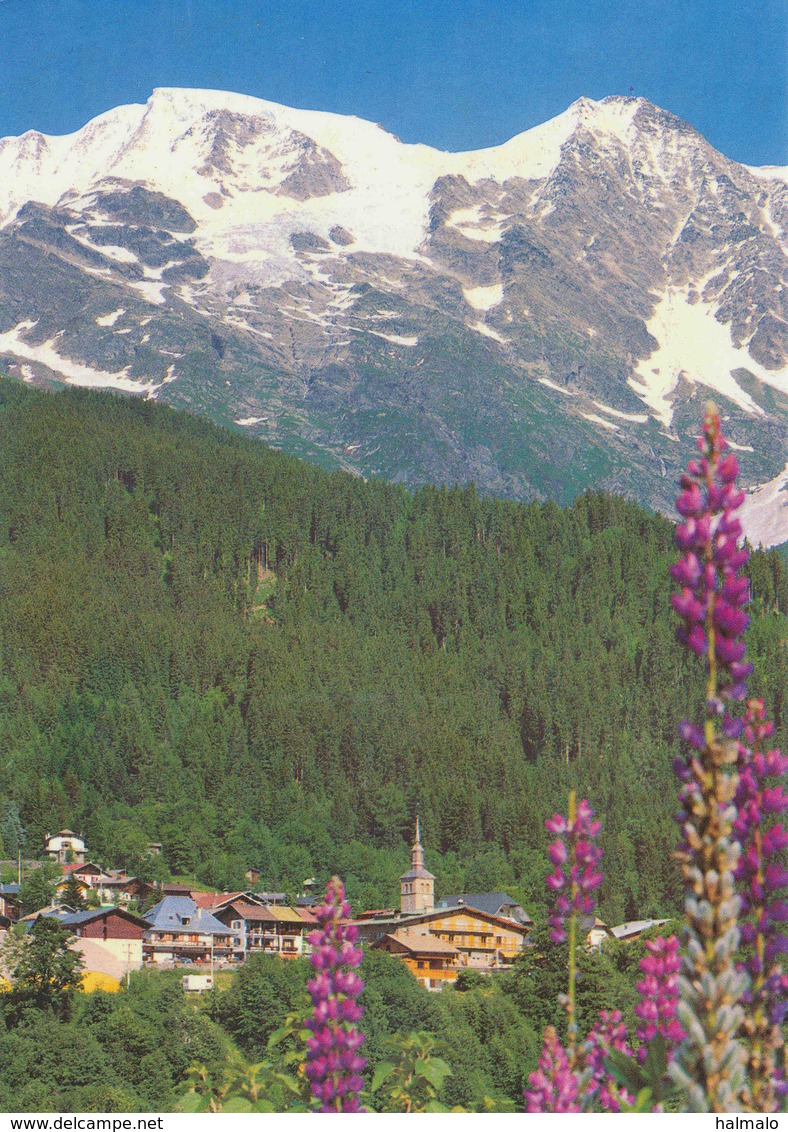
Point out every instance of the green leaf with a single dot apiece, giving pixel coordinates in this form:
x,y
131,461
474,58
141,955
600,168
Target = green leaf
x,y
644,1101
288,1082
656,1064
382,1070
434,1070
192,1102
237,1104
625,1071
435,1106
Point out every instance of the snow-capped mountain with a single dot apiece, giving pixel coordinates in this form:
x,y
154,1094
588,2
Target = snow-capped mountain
x,y
539,317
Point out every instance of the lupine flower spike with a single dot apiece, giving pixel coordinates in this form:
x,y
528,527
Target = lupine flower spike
x,y
659,995
710,1067
333,1063
574,881
554,1086
609,1033
760,801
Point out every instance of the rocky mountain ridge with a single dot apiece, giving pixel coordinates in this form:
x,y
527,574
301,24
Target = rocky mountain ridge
x,y
542,316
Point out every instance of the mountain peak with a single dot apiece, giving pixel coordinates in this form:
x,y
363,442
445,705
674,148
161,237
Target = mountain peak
x,y
402,311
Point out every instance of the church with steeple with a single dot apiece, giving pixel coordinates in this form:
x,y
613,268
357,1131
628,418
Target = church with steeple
x,y
417,885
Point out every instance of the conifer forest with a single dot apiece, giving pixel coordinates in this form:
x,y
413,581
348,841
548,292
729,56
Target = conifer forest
x,y
258,663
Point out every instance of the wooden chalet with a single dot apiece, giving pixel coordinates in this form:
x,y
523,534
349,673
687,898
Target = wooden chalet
x,y
65,846
180,931
9,901
265,929
433,961
484,942
116,930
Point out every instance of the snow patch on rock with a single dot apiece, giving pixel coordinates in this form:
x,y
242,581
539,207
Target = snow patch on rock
x,y
599,420
73,373
110,319
695,346
638,418
558,388
764,513
488,332
483,298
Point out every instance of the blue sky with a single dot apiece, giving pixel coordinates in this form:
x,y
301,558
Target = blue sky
x,y
456,74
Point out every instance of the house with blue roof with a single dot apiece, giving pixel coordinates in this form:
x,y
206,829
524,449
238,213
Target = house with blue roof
x,y
180,931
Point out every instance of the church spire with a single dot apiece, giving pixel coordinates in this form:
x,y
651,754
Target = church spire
x,y
417,886
417,852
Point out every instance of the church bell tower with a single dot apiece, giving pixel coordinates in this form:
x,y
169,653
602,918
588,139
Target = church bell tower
x,y
417,886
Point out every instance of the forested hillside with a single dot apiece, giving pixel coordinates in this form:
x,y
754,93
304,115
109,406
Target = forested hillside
x,y
255,662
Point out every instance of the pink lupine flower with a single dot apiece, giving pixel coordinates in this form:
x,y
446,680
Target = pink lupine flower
x,y
553,1087
609,1033
576,877
333,1063
659,995
576,858
710,1066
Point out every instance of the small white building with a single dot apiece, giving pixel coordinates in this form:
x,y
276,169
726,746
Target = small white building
x,y
66,847
197,982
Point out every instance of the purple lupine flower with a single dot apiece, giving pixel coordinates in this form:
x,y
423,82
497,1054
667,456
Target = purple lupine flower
x,y
659,995
761,882
333,1063
576,858
607,1034
553,1087
576,877
710,1066
712,591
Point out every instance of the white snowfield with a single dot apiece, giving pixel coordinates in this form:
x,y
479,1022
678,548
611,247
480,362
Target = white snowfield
x,y
252,173
73,373
166,143
764,512
484,298
693,345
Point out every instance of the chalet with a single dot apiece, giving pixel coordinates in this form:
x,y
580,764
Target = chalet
x,y
9,901
593,932
116,930
65,846
88,871
496,903
260,929
142,889
110,885
180,931
213,900
118,886
60,887
433,961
